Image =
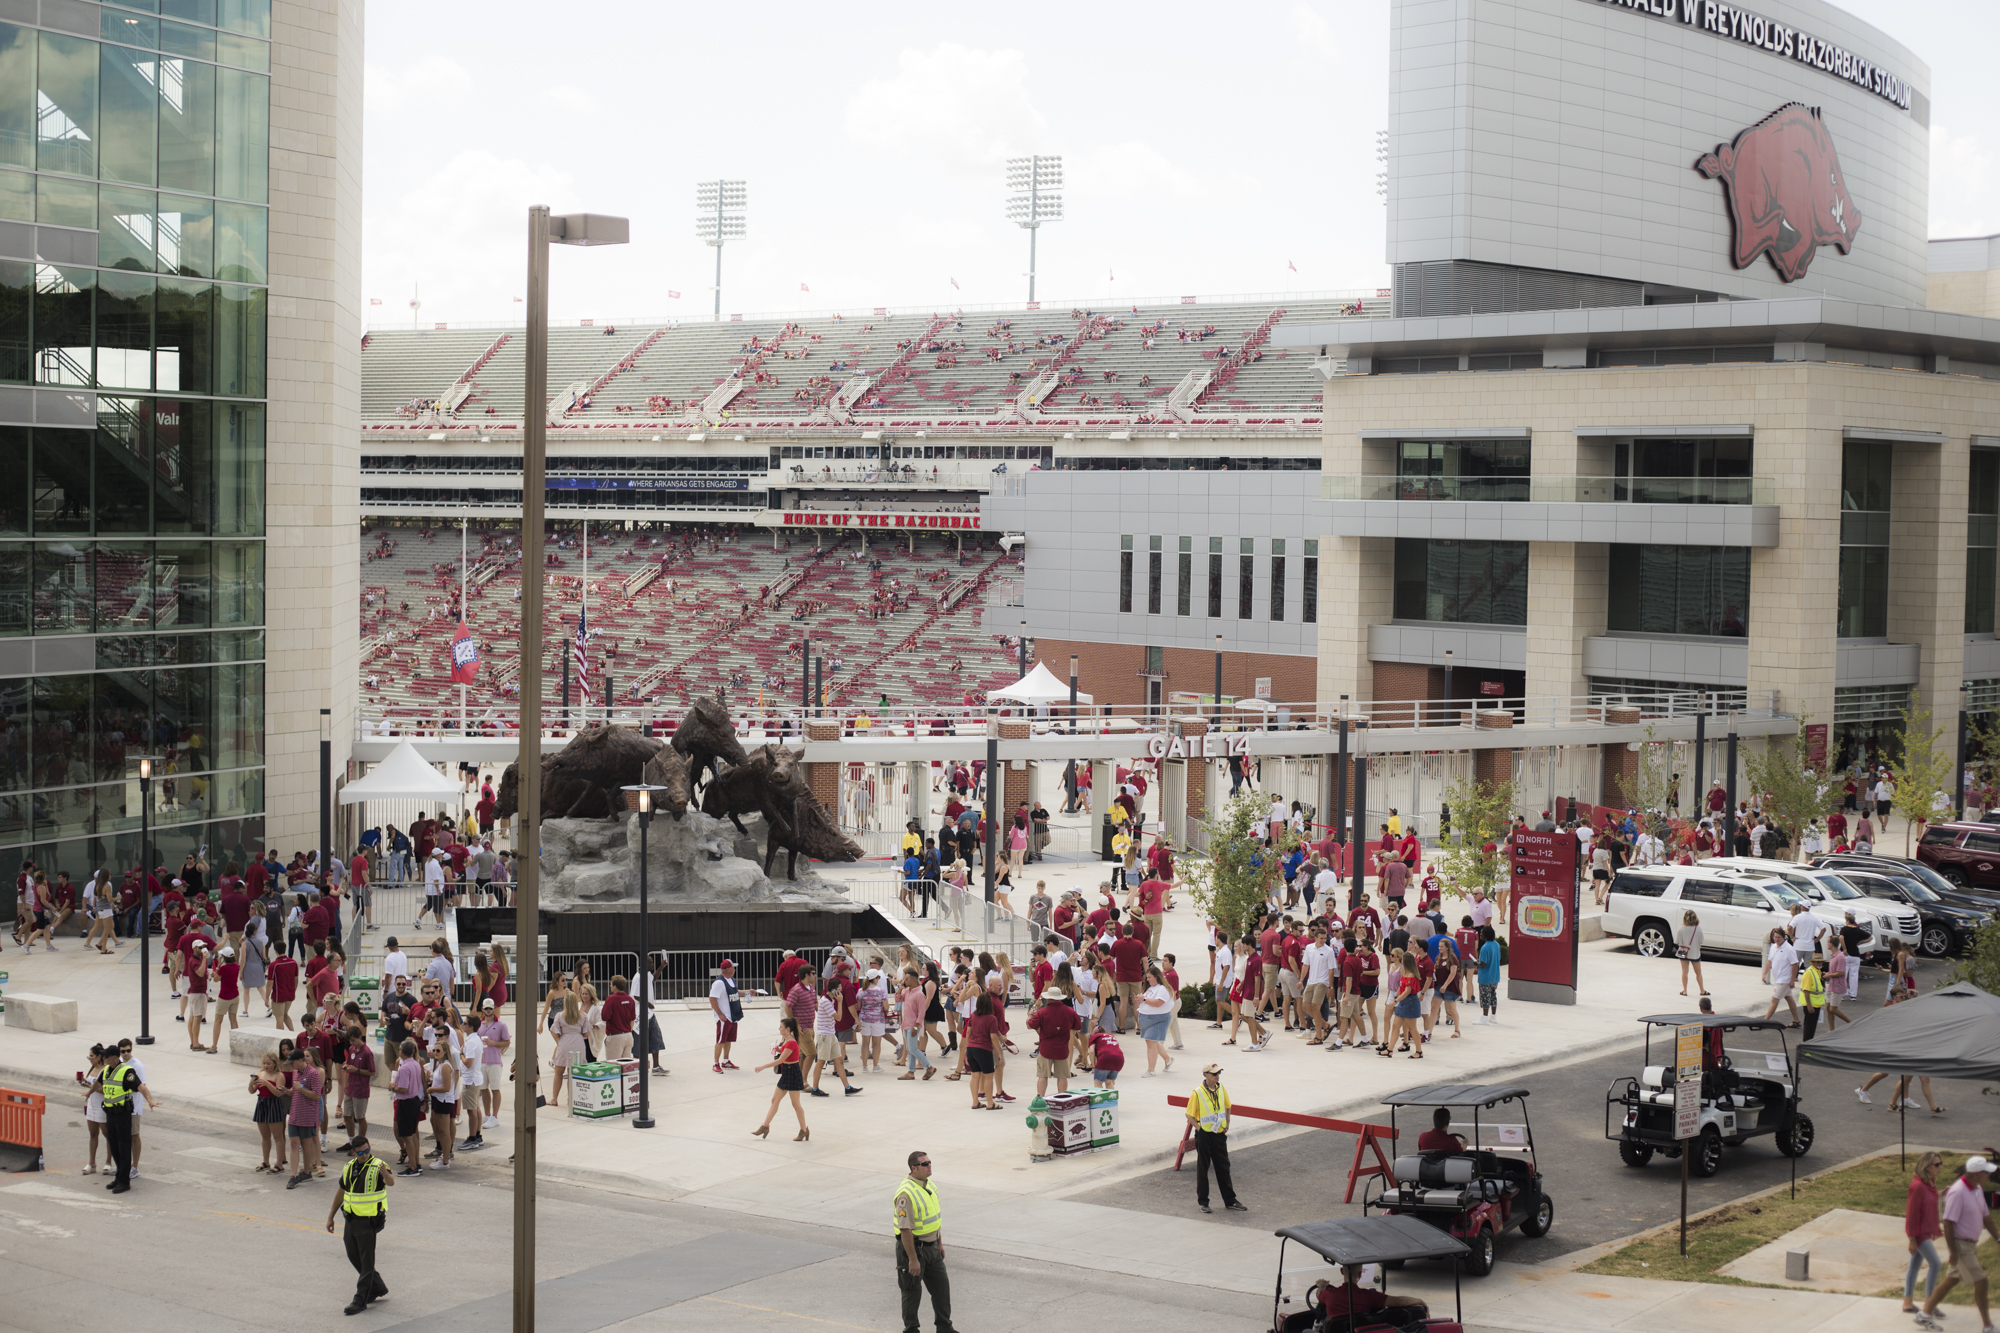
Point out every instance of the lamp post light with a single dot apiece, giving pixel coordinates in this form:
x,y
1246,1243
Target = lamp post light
x,y
645,792
1037,182
1218,682
145,1037
1022,637
1964,696
573,229
719,216
326,804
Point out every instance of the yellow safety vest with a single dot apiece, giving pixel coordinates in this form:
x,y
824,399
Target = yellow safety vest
x,y
926,1217
1812,988
367,1202
116,1095
1211,1109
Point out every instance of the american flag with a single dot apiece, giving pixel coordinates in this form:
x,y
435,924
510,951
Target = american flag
x,y
580,654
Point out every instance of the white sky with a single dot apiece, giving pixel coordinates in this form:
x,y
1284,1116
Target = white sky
x,y
1208,149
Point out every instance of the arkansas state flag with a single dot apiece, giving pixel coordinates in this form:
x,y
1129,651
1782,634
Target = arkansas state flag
x,y
464,656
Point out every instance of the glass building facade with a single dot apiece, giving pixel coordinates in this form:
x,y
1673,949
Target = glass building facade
x,y
134,231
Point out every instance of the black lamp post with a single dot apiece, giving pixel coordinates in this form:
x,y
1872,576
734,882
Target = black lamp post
x,y
1964,695
1218,682
1023,638
1449,697
645,978
145,1037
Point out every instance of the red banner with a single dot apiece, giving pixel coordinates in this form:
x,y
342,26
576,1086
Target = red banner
x,y
464,656
1541,910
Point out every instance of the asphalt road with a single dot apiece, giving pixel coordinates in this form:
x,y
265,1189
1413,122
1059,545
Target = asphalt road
x,y
1300,1178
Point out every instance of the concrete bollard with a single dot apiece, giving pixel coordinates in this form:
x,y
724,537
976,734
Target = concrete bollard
x,y
1798,1265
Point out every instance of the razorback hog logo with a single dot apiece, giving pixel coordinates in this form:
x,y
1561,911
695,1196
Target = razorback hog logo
x,y
1786,195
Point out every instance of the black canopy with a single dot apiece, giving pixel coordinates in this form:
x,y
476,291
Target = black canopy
x,y
1455,1094
1383,1238
1727,1022
1948,1033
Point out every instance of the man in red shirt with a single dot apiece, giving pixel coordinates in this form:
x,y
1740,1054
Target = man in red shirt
x,y
1439,1138
1040,973
483,811
1128,974
255,878
788,972
359,886
235,907
620,1012
283,976
1153,907
1098,916
1062,920
1267,958
227,994
1140,931
192,938
322,982
358,1075
1053,1022
316,924
1351,971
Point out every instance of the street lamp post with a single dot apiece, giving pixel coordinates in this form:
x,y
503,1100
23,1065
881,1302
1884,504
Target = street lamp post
x,y
645,792
1023,644
1218,682
326,802
1964,694
573,229
1450,699
145,1037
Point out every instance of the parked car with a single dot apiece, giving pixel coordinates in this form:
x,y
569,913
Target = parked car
x,y
1966,854
1891,920
1979,900
1737,908
1947,928
1744,1093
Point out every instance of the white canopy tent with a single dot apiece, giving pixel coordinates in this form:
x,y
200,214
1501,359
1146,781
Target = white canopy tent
x,y
404,776
1038,687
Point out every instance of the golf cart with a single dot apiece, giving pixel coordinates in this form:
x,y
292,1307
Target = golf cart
x,y
1488,1184
1348,1243
1744,1093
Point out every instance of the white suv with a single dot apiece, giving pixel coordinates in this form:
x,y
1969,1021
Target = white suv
x,y
1888,922
1737,908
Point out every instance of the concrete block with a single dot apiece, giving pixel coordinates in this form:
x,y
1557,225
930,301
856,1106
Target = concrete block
x,y
249,1046
40,1013
1798,1265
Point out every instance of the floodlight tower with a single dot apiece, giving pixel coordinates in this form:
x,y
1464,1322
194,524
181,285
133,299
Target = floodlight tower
x,y
719,216
1037,183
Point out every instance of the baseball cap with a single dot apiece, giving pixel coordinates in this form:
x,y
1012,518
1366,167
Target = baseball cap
x,y
1975,1164
725,963
1211,1068
874,974
228,952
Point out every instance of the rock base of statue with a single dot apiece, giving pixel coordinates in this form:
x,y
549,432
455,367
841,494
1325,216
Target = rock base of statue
x,y
695,859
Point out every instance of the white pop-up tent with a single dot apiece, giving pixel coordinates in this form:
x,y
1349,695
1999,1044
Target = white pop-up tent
x,y
404,776
1039,686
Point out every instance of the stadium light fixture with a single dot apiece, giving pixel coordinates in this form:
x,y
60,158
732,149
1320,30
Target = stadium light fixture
x,y
721,214
582,229
1036,197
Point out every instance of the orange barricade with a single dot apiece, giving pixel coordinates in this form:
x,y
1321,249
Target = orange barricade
x,y
21,1120
1368,1138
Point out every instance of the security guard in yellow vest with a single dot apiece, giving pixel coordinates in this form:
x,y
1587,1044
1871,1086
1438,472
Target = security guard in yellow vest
x,y
920,1246
363,1195
1208,1112
117,1082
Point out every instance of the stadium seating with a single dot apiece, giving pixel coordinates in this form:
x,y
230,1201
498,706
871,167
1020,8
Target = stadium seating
x,y
952,365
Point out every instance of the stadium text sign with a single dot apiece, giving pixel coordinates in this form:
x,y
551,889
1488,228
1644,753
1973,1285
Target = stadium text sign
x,y
1210,745
1740,25
810,519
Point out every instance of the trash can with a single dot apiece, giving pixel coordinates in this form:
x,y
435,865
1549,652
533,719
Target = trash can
x,y
1069,1123
367,993
1103,1118
597,1091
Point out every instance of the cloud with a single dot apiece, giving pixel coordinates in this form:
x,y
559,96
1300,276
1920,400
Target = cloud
x,y
1311,31
562,97
957,108
435,81
1965,184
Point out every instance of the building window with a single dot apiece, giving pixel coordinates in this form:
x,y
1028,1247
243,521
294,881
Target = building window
x,y
1680,590
1462,470
1277,578
1472,583
1215,577
1683,471
1154,575
1865,468
1124,574
1309,583
1184,594
1246,577
1156,661
1982,536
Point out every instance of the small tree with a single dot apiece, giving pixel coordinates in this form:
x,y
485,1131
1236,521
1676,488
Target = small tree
x,y
1928,759
1231,881
1980,964
1794,793
1481,813
1654,783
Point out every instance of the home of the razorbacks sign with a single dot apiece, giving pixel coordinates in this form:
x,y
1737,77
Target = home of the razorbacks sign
x,y
811,518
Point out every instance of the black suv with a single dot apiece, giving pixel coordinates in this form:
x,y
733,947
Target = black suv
x,y
1949,914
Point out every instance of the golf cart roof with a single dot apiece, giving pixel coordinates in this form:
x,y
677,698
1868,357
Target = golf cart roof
x,y
1727,1022
1378,1239
1458,1094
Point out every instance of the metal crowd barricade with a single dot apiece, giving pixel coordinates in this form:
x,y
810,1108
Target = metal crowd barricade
x,y
687,974
603,967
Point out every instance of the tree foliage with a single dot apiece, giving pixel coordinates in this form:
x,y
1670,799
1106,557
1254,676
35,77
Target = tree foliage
x,y
1929,756
1654,783
1980,963
1793,792
1231,881
1481,813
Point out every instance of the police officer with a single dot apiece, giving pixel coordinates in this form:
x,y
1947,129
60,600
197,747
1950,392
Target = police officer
x,y
1208,1109
920,1246
363,1195
117,1081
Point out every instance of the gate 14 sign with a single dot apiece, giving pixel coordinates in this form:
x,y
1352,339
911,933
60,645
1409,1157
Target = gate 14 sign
x,y
1211,745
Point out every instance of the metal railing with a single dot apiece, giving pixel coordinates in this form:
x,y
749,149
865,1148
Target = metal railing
x,y
965,721
687,974
951,915
1556,490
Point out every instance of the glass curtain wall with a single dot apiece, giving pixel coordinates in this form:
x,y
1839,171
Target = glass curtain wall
x,y
138,536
